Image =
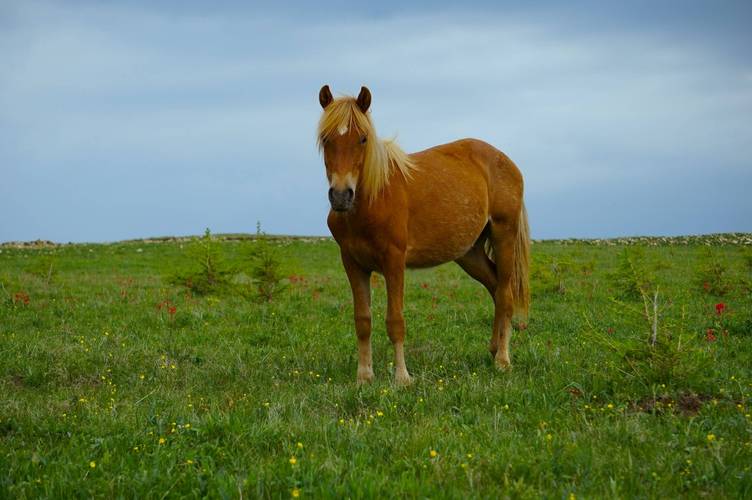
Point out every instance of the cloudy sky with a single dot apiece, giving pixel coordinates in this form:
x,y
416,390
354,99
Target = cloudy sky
x,y
124,120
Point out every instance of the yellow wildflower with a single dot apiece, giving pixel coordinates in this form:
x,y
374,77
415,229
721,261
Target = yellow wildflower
x,y
295,493
92,464
433,453
162,440
711,437
293,460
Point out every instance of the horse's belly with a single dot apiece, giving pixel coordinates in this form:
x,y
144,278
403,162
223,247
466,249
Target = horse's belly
x,y
448,198
447,231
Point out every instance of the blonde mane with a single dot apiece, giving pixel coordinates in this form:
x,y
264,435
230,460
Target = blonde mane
x,y
381,157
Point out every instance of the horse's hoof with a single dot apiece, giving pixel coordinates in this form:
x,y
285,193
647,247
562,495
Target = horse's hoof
x,y
365,376
503,365
403,379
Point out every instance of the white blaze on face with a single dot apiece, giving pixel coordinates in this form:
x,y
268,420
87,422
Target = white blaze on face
x,y
342,182
342,130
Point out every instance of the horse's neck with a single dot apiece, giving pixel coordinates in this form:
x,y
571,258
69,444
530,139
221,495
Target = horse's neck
x,y
379,209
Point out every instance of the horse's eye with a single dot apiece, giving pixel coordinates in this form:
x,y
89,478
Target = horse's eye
x,y
363,139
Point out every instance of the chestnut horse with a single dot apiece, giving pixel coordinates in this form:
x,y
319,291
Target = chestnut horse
x,y
460,201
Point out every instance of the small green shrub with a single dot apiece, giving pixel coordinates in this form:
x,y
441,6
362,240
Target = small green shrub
x,y
652,349
265,267
208,274
631,279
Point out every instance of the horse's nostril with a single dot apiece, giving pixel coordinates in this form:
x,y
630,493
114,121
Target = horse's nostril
x,y
341,199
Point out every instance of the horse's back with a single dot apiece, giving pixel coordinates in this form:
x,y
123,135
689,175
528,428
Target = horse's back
x,y
453,192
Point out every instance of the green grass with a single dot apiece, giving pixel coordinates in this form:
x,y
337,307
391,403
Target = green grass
x,y
104,394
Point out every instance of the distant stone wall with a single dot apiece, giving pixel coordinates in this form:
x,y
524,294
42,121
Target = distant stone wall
x,y
720,239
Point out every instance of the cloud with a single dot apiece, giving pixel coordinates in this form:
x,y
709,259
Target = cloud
x,y
140,109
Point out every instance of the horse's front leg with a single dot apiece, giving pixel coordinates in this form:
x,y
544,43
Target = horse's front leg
x,y
394,275
360,283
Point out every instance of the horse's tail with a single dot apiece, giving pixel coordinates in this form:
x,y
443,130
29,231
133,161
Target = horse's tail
x,y
520,269
519,279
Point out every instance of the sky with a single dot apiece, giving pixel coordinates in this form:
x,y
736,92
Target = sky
x,y
135,119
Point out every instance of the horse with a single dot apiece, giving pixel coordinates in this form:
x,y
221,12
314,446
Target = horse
x,y
461,202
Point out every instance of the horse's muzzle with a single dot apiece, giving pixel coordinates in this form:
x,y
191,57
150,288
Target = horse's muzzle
x,y
341,200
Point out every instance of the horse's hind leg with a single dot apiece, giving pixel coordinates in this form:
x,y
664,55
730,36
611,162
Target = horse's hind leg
x,y
477,264
503,240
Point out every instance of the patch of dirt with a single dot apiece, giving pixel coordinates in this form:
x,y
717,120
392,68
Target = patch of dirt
x,y
688,404
17,380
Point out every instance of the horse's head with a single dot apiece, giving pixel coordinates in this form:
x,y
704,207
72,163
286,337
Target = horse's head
x,y
344,135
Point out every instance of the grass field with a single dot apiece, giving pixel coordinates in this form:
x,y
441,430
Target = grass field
x,y
114,383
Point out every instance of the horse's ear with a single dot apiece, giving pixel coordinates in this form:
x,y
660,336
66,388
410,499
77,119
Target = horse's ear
x,y
364,99
325,96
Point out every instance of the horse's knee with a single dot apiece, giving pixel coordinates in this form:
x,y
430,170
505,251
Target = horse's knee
x,y
363,326
395,329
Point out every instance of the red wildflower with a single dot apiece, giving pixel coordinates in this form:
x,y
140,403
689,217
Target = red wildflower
x,y
710,335
610,329
22,297
719,308
706,286
424,285
172,310
164,303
